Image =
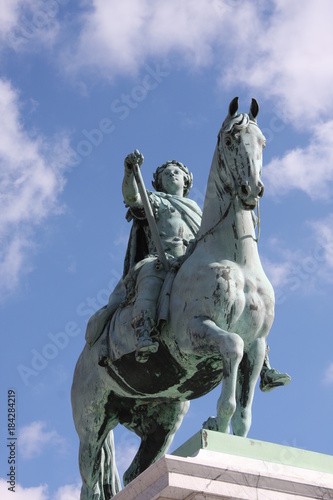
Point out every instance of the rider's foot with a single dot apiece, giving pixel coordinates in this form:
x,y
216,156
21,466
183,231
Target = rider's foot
x,y
145,347
143,326
271,378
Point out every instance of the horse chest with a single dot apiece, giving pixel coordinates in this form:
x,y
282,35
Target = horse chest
x,y
243,300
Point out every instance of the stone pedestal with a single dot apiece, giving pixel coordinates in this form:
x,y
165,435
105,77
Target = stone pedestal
x,y
213,466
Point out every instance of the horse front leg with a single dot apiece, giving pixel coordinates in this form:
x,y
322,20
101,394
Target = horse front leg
x,y
206,337
248,374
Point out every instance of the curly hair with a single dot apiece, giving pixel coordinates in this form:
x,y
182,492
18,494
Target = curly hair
x,y
188,177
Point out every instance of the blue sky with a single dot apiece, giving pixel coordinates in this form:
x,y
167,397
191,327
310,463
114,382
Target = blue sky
x,y
82,85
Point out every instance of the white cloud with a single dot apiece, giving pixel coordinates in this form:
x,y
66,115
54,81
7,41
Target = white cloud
x,y
31,180
277,272
8,16
283,51
323,231
308,169
29,24
328,376
33,439
289,57
67,492
118,37
291,63
33,493
303,270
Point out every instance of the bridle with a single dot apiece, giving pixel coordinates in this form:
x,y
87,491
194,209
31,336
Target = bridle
x,y
222,160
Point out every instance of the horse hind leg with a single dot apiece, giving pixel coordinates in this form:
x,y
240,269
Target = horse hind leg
x,y
156,425
100,480
95,416
206,337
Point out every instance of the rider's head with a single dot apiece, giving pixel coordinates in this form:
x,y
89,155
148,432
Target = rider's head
x,y
158,176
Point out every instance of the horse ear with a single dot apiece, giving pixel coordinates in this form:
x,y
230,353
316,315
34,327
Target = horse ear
x,y
233,107
254,110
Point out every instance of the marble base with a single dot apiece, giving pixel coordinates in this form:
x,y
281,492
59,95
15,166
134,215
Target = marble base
x,y
214,466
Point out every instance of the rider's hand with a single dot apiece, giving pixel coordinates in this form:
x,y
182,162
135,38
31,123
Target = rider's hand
x,y
133,158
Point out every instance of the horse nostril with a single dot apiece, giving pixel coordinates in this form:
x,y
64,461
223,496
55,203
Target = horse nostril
x,y
261,190
245,188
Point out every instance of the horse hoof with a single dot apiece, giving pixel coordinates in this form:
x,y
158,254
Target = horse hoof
x,y
210,424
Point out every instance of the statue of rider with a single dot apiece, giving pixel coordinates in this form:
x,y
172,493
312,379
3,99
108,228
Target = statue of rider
x,y
177,220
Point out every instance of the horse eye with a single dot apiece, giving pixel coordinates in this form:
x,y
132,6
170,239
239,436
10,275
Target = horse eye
x,y
228,142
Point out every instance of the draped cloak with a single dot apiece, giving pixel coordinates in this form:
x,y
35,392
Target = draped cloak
x,y
140,246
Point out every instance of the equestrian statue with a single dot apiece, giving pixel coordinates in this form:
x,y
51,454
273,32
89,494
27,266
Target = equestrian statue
x,y
192,311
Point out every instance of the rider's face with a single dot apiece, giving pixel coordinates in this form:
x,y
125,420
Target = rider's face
x,y
173,180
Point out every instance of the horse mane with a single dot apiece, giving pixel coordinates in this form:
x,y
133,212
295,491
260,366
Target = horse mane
x,y
238,122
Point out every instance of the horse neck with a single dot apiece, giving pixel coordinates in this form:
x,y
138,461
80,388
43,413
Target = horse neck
x,y
217,199
230,227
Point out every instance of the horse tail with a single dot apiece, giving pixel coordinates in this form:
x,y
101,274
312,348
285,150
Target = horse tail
x,y
109,473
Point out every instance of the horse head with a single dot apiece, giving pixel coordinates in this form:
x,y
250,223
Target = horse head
x,y
240,146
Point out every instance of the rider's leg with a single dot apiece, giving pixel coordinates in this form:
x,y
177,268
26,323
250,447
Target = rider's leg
x,y
148,287
270,377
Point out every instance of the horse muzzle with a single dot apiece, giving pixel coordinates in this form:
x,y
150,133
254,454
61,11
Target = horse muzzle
x,y
249,206
250,196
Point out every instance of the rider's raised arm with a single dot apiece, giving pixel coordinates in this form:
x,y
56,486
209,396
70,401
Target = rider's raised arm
x,y
131,193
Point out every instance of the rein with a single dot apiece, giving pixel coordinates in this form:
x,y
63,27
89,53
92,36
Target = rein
x,y
224,216
258,212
